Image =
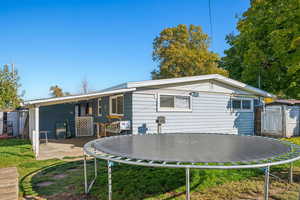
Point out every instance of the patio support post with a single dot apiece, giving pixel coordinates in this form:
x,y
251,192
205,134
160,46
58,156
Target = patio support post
x,y
187,179
291,173
34,129
109,180
267,180
85,175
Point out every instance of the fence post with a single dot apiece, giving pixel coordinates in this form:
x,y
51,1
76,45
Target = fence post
x,y
257,120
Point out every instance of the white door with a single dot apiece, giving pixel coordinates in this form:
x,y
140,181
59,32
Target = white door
x,y
82,110
76,110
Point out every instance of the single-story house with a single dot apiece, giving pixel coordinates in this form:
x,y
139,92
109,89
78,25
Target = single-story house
x,y
197,104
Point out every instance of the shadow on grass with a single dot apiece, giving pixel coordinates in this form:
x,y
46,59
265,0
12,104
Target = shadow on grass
x,y
129,182
17,154
13,142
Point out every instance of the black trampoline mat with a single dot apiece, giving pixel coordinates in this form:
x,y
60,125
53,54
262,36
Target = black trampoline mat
x,y
192,147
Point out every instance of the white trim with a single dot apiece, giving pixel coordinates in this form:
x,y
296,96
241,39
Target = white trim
x,y
110,104
99,114
216,77
77,97
171,109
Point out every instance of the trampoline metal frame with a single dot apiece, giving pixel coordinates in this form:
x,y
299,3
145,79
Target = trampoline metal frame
x,y
91,151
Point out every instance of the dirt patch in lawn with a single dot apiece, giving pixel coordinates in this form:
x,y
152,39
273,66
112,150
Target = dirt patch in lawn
x,y
60,176
73,170
45,184
69,196
249,189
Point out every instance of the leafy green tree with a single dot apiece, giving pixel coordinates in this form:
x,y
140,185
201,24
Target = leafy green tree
x,y
183,51
266,52
9,87
56,91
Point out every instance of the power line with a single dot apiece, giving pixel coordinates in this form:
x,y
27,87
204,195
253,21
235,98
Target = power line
x,y
210,20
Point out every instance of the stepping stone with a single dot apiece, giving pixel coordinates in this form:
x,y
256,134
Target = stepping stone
x,y
9,183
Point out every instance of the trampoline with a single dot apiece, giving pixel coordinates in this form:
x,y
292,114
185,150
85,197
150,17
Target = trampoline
x,y
191,151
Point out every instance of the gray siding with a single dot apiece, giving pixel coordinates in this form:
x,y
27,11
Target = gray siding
x,y
128,106
50,115
105,108
211,113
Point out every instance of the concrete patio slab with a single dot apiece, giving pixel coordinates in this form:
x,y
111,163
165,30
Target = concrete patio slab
x,y
63,148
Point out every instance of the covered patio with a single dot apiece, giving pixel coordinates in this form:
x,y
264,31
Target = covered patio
x,y
66,146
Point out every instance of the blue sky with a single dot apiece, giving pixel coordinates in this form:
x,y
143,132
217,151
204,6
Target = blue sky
x,y
105,41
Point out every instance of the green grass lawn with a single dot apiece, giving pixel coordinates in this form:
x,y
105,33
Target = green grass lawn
x,y
63,179
18,153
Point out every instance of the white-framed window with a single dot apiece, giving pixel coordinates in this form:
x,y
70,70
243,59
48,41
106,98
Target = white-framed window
x,y
116,105
241,104
168,102
100,106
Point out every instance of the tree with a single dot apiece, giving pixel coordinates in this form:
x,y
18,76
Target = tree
x,y
56,91
9,88
183,51
266,52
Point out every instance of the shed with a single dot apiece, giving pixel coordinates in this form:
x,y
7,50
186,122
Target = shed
x,y
281,118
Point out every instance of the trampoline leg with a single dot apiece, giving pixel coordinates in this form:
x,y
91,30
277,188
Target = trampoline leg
x,y
109,181
267,179
85,176
291,173
187,179
95,164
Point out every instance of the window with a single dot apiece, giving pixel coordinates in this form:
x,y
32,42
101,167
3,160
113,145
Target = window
x,y
174,103
246,104
99,106
241,104
167,101
117,105
236,104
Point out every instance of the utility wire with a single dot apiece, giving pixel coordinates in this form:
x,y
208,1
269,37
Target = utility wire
x,y
210,21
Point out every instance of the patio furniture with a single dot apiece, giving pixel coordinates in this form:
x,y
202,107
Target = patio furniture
x,y
45,135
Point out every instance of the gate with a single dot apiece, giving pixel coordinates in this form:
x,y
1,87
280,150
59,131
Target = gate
x,y
84,126
272,120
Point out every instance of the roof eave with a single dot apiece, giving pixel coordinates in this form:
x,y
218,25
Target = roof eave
x,y
216,77
75,98
244,86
